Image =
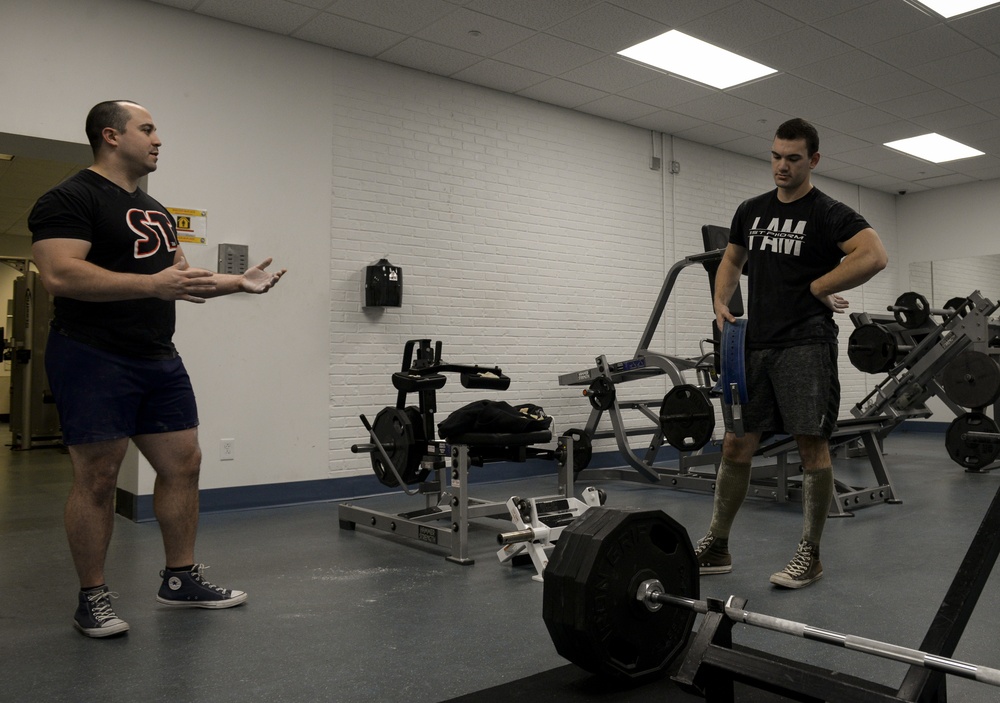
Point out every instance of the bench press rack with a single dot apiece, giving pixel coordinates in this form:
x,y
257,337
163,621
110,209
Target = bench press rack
x,y
405,452
769,481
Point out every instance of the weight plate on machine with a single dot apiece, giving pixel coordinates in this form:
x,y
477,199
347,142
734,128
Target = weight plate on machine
x,y
969,452
687,418
582,448
401,434
972,379
872,348
601,393
589,599
958,304
911,310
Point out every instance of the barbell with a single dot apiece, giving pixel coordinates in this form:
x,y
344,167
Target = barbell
x,y
621,595
912,310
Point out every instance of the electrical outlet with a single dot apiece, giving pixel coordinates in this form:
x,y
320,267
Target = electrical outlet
x,y
227,449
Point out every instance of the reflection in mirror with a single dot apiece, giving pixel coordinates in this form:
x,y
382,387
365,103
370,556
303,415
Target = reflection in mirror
x,y
940,281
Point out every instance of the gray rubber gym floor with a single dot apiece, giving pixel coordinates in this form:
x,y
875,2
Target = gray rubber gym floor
x,y
357,616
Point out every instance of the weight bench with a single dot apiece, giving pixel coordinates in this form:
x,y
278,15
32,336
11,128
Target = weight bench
x,y
688,424
405,452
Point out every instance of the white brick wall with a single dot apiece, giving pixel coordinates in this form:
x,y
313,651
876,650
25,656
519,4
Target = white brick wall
x,y
530,237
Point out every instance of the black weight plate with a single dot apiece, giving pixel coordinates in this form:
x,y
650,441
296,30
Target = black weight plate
x,y
972,379
911,310
687,418
394,430
872,348
583,448
601,393
957,304
589,598
415,473
970,453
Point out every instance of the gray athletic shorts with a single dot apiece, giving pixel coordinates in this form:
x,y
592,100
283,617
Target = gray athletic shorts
x,y
793,390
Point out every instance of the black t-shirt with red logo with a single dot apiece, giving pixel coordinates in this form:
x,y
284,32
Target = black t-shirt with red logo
x,y
789,245
128,233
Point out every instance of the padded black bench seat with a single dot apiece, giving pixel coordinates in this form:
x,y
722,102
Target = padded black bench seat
x,y
499,446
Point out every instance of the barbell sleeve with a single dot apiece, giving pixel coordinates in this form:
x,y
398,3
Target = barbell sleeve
x,y
885,650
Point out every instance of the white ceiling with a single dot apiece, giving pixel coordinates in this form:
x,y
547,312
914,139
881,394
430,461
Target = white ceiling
x,y
864,71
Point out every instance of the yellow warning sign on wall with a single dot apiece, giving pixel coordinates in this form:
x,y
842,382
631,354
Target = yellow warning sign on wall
x,y
192,225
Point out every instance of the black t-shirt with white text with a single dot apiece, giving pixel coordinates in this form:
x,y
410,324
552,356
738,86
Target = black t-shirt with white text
x,y
128,233
789,245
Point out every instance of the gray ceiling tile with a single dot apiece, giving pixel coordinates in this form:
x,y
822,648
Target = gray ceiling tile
x,y
675,12
407,17
982,27
812,12
929,44
474,32
921,103
711,134
875,22
844,69
430,57
799,47
667,91
615,107
959,67
750,145
273,15
717,107
500,76
608,28
563,93
348,35
741,24
531,13
956,117
612,74
666,121
548,54
888,86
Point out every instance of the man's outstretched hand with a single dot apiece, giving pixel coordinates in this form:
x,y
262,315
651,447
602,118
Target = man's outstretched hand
x,y
257,280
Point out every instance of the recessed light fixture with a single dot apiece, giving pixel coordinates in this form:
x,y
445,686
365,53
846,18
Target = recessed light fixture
x,y
692,58
6,157
934,147
953,8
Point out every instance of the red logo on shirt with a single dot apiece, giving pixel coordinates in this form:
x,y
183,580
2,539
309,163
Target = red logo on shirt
x,y
153,228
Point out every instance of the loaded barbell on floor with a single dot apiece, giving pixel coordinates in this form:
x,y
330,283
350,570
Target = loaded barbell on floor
x,y
621,595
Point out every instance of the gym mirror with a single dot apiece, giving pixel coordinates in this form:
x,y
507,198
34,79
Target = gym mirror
x,y
940,281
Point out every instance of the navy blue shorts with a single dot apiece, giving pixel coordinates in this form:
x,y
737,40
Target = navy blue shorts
x,y
103,396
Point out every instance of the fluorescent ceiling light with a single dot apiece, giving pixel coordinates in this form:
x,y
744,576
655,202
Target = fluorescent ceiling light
x,y
934,147
952,8
692,58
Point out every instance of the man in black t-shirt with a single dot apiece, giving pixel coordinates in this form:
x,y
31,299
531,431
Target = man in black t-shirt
x,y
109,255
800,248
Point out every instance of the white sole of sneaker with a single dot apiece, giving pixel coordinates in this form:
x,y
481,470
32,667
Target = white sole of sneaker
x,y
780,579
98,632
212,604
714,570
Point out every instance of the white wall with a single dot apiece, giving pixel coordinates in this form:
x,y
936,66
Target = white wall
x,y
245,121
531,237
948,223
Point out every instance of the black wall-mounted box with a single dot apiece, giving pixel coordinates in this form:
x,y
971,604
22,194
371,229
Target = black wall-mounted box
x,y
383,285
